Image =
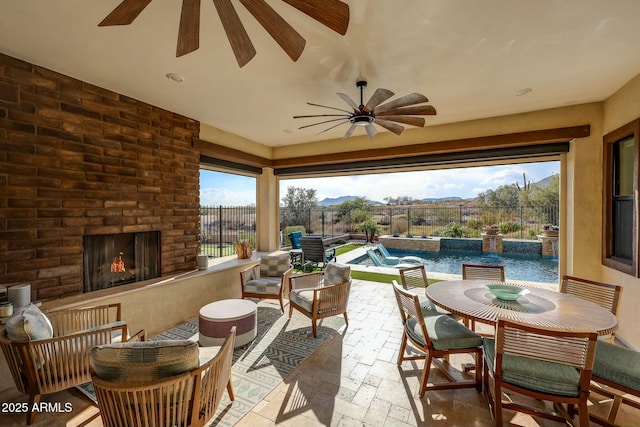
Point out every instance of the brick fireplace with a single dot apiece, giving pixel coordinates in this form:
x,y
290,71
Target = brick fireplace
x,y
78,160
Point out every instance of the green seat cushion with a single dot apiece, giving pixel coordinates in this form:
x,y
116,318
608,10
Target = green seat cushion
x,y
617,364
537,375
263,285
444,333
144,361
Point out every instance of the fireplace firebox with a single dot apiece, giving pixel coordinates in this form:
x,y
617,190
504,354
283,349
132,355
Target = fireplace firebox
x,y
117,259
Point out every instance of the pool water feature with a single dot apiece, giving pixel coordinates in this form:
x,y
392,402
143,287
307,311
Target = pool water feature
x,y
527,267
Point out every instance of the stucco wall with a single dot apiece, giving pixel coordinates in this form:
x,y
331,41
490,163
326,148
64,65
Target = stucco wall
x,y
621,108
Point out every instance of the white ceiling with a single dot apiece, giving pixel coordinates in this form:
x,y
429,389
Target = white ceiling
x,y
468,57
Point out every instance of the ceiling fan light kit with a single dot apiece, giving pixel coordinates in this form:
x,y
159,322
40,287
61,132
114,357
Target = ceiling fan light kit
x,y
401,110
334,14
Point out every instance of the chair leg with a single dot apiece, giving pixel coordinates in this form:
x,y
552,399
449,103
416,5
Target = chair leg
x,y
230,390
281,304
34,399
315,328
425,375
290,310
403,346
346,319
479,365
497,402
583,414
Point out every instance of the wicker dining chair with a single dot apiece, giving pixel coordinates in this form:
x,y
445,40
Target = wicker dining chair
x,y
186,399
546,364
604,294
436,337
268,279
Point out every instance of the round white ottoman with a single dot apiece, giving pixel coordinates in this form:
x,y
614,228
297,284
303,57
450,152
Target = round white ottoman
x,y
217,318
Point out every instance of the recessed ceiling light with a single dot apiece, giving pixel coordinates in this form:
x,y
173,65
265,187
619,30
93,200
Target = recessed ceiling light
x,y
175,77
525,91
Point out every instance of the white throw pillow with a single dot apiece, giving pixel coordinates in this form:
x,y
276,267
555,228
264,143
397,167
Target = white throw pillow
x,y
29,323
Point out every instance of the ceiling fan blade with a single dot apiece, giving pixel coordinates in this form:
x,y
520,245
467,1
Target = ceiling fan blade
x,y
283,33
326,106
322,115
349,101
334,126
189,31
326,121
332,13
408,120
371,130
349,131
125,13
403,101
378,97
417,110
393,127
241,45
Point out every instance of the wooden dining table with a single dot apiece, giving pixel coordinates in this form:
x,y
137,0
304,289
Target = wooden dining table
x,y
541,307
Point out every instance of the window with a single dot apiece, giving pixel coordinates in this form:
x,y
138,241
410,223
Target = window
x,y
620,187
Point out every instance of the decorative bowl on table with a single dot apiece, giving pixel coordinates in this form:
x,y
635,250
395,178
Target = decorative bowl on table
x,y
507,292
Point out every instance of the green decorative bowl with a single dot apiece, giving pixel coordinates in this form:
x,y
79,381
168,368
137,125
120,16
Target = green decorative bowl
x,y
507,292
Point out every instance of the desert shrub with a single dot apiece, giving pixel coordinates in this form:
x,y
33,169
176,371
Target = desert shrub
x,y
399,225
474,224
453,229
507,227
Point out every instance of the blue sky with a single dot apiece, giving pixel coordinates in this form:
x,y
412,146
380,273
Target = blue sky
x,y
225,189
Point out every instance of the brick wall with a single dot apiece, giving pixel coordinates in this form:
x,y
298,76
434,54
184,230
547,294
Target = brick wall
x,y
76,159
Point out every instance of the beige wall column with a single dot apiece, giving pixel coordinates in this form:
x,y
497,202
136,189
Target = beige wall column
x,y
268,211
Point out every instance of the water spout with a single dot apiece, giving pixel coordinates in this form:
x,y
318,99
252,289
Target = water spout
x,y
554,248
492,244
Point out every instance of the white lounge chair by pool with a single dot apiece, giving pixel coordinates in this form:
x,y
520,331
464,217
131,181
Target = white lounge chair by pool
x,y
378,262
393,260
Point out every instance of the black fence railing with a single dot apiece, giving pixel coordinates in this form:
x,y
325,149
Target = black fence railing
x,y
221,227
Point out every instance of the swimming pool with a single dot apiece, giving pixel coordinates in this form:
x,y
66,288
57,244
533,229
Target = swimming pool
x,y
533,268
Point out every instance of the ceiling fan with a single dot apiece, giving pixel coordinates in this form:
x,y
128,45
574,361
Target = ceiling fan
x,y
400,110
331,13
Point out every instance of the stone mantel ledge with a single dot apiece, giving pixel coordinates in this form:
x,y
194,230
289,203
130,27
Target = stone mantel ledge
x,y
216,265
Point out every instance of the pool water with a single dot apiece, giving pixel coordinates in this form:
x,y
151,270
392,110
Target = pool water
x,y
533,268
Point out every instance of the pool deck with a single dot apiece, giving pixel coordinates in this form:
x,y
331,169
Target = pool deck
x,y
358,252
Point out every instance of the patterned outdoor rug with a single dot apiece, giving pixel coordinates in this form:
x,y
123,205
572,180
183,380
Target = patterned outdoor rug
x,y
258,367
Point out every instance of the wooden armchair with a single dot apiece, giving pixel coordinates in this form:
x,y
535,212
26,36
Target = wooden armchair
x,y
268,279
321,294
44,366
186,399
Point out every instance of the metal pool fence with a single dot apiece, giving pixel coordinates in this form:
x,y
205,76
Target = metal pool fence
x,y
222,226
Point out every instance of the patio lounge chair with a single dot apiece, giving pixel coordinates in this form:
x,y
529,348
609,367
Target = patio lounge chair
x,y
268,279
393,260
315,253
378,262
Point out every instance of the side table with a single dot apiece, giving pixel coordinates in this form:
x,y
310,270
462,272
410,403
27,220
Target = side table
x,y
218,317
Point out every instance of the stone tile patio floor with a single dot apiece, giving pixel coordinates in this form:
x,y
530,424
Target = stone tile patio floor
x,y
351,380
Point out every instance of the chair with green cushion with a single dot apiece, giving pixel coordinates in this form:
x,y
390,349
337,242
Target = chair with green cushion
x,y
437,337
616,374
548,365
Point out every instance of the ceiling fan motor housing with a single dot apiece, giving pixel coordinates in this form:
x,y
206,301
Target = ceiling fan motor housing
x,y
362,119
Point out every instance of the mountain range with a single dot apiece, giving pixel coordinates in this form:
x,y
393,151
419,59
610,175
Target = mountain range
x,y
331,201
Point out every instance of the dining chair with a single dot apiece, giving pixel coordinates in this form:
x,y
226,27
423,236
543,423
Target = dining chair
x,y
415,279
482,272
436,337
605,295
550,365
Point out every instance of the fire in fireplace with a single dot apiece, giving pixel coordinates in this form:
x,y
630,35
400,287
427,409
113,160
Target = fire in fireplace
x,y
117,259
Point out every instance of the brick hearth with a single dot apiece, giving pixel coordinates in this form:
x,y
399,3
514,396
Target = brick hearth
x,y
75,160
